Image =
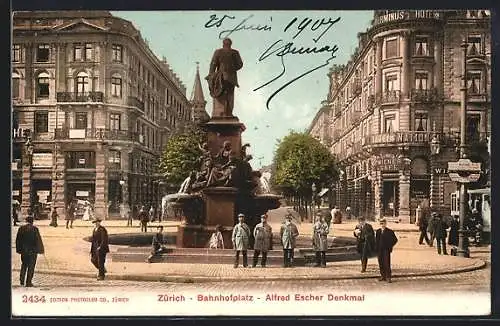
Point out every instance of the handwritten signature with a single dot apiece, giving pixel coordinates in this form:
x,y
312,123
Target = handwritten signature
x,y
281,49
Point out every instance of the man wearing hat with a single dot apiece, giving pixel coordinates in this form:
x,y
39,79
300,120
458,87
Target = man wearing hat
x,y
99,248
263,235
385,239
28,244
365,237
241,238
288,234
320,240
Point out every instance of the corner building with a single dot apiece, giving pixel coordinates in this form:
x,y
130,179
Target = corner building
x,y
392,114
99,106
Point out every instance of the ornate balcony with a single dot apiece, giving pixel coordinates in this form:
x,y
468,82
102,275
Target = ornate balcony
x,y
135,102
424,95
80,97
96,134
389,97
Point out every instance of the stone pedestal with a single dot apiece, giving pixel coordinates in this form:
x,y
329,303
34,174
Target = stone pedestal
x,y
221,129
220,205
198,236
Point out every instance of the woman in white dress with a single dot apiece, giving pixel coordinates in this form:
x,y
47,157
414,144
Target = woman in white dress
x,y
86,213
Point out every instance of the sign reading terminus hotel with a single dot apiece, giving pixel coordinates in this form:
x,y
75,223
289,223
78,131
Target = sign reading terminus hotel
x,y
407,15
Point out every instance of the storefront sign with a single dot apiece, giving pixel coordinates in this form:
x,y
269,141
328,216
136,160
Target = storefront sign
x,y
81,161
19,133
77,133
81,193
42,160
14,166
42,195
15,192
440,171
407,15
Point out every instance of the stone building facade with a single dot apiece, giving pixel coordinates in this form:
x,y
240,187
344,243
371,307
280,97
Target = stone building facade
x,y
98,106
392,114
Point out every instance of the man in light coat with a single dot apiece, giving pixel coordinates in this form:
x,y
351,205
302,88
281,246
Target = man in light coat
x,y
288,234
241,239
320,240
263,235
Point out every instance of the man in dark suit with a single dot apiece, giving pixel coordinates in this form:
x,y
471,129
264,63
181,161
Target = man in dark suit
x,y
385,239
365,241
28,244
423,224
222,78
99,248
158,246
440,233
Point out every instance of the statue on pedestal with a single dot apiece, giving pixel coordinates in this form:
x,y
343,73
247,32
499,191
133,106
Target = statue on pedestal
x,y
222,78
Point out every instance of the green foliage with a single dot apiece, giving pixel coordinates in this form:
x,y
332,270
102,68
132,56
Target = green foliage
x,y
181,153
301,160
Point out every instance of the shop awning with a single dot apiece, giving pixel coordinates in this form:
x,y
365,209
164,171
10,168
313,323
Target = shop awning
x,y
323,192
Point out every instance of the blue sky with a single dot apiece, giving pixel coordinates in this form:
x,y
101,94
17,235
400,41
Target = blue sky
x,y
183,38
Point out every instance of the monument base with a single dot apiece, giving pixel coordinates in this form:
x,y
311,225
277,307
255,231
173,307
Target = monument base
x,y
220,205
223,129
198,236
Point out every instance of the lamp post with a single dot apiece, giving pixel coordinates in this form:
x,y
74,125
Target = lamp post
x,y
313,188
463,250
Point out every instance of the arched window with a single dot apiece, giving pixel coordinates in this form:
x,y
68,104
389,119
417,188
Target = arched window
x,y
15,84
42,85
419,167
116,85
82,83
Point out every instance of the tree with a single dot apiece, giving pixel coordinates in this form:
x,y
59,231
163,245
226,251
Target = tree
x,y
181,154
299,161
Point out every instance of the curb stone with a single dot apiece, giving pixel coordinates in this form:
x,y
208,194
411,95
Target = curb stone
x,y
478,264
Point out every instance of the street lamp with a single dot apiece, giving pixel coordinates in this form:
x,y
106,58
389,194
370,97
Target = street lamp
x,y
463,248
313,188
435,145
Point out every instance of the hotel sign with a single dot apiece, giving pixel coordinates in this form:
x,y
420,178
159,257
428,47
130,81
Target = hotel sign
x,y
401,15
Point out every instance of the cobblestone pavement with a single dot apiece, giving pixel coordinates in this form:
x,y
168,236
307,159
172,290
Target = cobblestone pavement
x,y
477,281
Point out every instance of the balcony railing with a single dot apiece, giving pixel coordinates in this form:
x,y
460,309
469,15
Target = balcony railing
x,y
424,95
135,102
80,97
97,134
389,97
477,97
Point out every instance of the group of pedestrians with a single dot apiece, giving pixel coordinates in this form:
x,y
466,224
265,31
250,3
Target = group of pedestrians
x,y
380,242
436,228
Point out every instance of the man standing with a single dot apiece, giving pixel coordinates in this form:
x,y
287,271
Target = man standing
x,y
144,218
263,235
288,234
222,78
385,239
440,234
158,241
70,214
28,244
99,248
320,240
365,241
423,224
241,238
431,228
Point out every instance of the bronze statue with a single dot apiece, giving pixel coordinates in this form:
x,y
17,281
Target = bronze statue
x,y
222,78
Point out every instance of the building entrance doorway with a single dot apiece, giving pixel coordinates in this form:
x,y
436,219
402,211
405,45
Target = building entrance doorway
x,y
390,198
